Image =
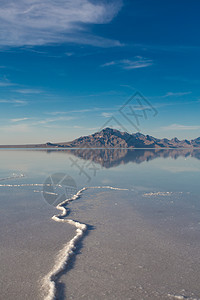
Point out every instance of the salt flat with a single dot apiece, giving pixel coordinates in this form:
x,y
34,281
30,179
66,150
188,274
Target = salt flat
x,y
143,227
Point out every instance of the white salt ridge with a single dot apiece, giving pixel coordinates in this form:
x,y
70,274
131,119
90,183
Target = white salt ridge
x,y
49,281
182,297
50,193
14,176
24,184
44,192
107,187
59,185
164,194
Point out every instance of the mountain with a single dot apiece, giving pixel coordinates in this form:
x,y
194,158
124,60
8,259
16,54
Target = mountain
x,y
113,138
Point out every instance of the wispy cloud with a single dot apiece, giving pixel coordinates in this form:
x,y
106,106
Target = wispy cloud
x,y
181,127
106,115
25,123
128,86
167,48
36,22
82,111
14,101
52,120
18,128
136,64
176,94
5,82
127,64
28,91
55,113
85,128
69,53
19,120
111,63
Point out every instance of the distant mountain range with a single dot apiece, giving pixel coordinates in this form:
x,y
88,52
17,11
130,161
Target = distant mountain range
x,y
113,138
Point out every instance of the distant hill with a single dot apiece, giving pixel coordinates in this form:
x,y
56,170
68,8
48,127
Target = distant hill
x,y
113,138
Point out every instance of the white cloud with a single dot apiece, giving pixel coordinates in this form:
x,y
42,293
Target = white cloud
x,y
16,128
5,82
19,120
177,94
106,115
15,102
111,63
36,22
55,113
128,86
25,124
69,53
136,64
28,91
52,120
77,127
86,128
181,127
127,64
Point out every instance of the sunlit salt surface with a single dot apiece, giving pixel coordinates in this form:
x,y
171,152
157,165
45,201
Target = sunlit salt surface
x,y
130,231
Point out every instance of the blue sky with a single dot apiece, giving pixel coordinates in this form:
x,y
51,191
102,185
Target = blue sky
x,y
68,67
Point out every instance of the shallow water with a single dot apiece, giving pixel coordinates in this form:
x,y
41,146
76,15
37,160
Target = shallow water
x,y
141,242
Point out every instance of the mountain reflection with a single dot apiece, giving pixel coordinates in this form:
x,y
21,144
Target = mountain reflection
x,y
109,158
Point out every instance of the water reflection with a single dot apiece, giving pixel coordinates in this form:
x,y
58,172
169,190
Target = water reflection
x,y
109,158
